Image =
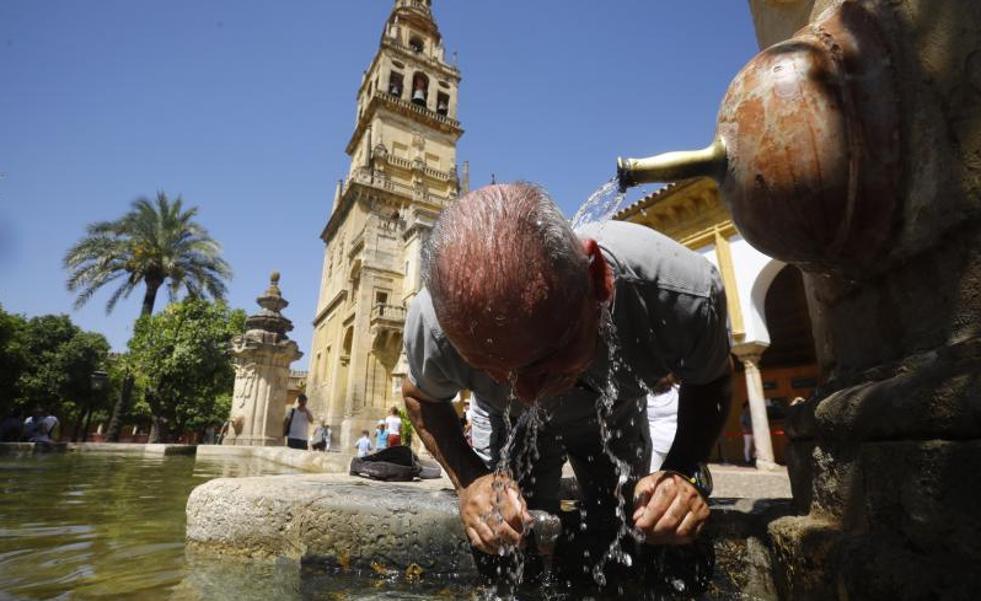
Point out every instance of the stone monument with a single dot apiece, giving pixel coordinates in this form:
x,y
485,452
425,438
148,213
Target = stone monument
x,y
262,358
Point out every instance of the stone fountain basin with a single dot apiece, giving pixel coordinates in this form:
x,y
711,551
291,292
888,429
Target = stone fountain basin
x,y
336,520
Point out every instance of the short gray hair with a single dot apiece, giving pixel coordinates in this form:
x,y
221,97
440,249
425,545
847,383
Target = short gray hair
x,y
505,243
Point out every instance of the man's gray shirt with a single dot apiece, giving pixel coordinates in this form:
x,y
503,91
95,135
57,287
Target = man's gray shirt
x,y
668,316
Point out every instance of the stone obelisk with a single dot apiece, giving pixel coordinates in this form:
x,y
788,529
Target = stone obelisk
x,y
262,358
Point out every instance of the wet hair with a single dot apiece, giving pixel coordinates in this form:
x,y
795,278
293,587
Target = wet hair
x,y
504,245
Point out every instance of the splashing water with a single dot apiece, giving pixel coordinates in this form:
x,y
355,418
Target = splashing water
x,y
601,205
604,409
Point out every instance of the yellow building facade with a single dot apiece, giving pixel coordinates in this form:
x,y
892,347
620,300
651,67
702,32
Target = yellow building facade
x,y
768,318
402,174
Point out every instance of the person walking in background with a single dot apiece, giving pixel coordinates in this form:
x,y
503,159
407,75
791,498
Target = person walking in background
x,y
393,423
746,425
363,444
296,426
381,436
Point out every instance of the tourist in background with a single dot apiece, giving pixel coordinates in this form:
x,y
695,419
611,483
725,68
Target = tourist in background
x,y
321,437
466,421
297,424
40,426
393,424
746,425
662,416
381,436
363,444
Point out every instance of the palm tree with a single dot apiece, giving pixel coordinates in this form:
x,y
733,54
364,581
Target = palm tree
x,y
153,244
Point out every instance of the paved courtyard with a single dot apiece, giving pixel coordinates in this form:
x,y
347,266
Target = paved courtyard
x,y
746,482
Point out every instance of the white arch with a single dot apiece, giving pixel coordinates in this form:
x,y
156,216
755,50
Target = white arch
x,y
758,293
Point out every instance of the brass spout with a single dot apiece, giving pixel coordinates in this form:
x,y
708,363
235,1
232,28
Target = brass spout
x,y
673,166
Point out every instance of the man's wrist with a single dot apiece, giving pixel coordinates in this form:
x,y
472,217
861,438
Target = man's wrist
x,y
698,476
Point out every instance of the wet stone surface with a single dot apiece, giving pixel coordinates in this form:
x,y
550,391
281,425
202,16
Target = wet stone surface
x,y
337,524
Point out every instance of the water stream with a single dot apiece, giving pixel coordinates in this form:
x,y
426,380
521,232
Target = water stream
x,y
600,206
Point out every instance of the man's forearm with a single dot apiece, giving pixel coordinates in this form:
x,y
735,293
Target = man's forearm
x,y
439,429
702,412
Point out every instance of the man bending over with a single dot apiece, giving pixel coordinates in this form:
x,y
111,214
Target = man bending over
x,y
523,312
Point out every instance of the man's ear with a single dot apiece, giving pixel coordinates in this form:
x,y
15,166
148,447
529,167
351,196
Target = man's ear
x,y
600,274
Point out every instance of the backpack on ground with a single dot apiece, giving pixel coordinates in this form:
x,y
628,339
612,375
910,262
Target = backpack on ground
x,y
395,464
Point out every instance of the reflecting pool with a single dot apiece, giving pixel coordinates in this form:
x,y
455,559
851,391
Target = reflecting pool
x,y
100,525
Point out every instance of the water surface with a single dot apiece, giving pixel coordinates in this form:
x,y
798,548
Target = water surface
x,y
100,525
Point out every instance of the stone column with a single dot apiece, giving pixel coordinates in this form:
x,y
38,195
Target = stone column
x,y
749,354
262,358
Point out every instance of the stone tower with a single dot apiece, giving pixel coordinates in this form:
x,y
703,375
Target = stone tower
x,y
403,172
262,358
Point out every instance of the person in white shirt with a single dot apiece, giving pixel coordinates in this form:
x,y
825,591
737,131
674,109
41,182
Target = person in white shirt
x,y
662,415
363,445
393,424
297,424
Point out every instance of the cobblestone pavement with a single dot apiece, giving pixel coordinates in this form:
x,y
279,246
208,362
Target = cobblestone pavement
x,y
747,482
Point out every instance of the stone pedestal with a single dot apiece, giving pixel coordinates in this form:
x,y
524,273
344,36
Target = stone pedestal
x,y
262,358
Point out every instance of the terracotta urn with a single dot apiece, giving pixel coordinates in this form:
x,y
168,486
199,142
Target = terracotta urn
x,y
807,145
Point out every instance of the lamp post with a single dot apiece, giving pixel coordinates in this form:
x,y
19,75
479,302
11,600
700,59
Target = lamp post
x,y
99,381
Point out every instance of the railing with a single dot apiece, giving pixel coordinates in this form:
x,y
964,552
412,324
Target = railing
x,y
392,313
399,161
430,59
385,96
408,165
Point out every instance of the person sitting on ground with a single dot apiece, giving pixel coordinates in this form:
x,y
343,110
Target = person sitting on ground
x,y
40,426
363,444
577,327
381,436
297,424
393,425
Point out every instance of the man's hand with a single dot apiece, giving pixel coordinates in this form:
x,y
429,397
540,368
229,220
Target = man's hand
x,y
668,509
493,513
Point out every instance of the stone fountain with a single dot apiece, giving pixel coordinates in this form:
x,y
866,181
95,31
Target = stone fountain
x,y
853,149
262,358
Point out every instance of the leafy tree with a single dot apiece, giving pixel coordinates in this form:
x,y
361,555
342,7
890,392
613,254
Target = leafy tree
x,y
154,244
48,361
13,358
182,362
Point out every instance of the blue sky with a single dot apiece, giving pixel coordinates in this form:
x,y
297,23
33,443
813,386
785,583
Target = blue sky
x,y
244,108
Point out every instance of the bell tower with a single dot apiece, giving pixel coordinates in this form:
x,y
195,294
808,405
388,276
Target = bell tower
x,y
402,173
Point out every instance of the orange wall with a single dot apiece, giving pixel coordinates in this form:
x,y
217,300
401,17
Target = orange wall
x,y
778,382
